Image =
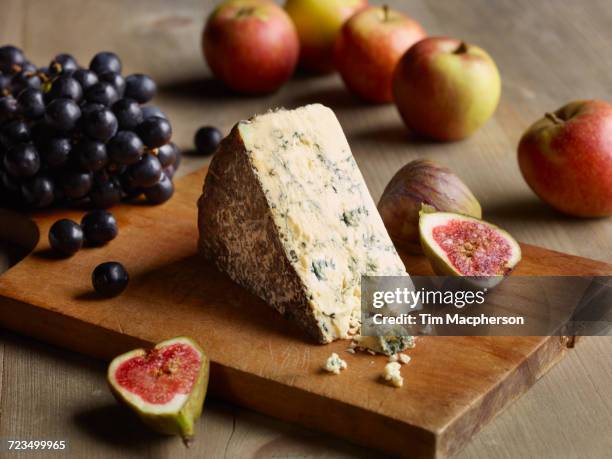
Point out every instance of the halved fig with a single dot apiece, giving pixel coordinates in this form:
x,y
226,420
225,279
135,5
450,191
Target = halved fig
x,y
458,245
165,385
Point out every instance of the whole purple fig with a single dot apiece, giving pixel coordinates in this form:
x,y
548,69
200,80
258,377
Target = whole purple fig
x,y
422,182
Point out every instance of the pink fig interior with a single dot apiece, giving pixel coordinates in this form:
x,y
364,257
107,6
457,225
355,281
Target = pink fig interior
x,y
474,249
160,374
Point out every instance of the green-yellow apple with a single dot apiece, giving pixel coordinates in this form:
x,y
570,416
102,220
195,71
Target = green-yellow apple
x,y
251,45
368,48
318,23
566,158
445,89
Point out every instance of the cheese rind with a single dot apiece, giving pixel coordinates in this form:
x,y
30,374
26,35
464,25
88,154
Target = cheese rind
x,y
286,213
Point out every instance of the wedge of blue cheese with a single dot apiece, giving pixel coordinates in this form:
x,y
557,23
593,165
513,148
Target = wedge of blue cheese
x,y
285,212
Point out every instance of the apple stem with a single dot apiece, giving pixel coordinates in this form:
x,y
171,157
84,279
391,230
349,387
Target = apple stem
x,y
461,49
554,118
385,9
246,11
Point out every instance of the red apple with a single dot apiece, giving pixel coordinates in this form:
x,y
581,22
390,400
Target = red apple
x,y
368,48
445,89
318,23
566,158
251,45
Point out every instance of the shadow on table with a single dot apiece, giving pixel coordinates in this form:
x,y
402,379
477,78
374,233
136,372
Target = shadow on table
x,y
115,425
527,208
335,97
206,88
396,134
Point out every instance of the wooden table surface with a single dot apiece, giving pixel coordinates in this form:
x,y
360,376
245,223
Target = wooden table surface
x,y
549,52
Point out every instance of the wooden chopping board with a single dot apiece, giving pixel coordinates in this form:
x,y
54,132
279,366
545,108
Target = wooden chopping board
x,y
453,385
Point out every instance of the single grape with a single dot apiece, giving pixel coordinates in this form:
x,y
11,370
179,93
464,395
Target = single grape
x,y
38,192
110,279
105,194
150,111
99,227
207,140
24,80
128,113
55,151
161,191
22,160
62,114
115,80
63,64
31,103
155,132
91,154
66,237
76,184
65,87
15,132
125,148
8,108
11,59
105,61
100,124
167,154
102,93
147,171
140,87
86,78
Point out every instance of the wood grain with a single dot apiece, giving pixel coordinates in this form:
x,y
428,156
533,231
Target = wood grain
x,y
549,52
457,384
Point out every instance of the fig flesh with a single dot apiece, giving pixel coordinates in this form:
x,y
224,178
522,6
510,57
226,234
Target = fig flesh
x,y
458,245
422,182
165,385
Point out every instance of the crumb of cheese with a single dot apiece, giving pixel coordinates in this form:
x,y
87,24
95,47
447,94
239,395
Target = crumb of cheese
x,y
392,374
404,358
387,345
335,364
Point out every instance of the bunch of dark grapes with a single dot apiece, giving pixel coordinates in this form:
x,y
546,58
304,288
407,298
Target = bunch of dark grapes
x,y
76,136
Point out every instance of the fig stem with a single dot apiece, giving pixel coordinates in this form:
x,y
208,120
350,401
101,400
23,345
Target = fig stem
x,y
187,441
554,118
385,9
462,48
